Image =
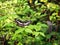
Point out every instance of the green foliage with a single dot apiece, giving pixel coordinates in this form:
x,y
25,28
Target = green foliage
x,y
36,32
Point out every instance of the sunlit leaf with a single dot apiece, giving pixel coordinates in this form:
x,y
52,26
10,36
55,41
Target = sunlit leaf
x,y
28,30
42,34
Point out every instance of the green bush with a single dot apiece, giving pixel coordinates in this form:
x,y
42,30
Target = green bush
x,y
36,32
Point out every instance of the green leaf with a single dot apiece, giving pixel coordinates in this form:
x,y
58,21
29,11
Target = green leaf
x,y
31,27
48,36
19,43
19,31
28,30
36,33
42,34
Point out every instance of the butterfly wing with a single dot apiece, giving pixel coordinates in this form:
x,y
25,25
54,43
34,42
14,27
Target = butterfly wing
x,y
19,23
27,23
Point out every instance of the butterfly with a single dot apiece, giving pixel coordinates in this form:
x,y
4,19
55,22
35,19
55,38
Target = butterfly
x,y
21,23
